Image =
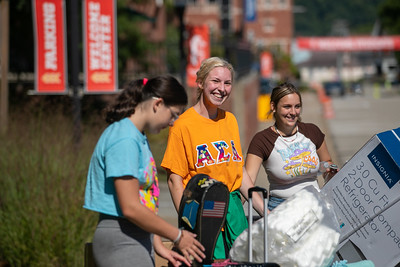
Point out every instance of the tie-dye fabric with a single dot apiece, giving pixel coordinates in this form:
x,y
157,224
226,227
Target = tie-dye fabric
x,y
150,191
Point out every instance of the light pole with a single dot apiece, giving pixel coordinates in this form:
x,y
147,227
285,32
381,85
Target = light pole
x,y
74,60
4,39
180,10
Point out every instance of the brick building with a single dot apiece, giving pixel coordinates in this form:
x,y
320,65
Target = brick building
x,y
271,26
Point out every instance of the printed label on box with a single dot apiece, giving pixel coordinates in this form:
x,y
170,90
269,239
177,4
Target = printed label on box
x,y
384,165
365,195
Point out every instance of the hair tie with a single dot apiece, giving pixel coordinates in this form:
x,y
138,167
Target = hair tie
x,y
145,81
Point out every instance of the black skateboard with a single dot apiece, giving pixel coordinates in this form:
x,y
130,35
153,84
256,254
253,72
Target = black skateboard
x,y
203,209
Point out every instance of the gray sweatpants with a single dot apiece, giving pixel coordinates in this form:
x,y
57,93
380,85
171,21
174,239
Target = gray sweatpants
x,y
118,242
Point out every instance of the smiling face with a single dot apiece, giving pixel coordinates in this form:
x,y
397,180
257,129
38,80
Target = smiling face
x,y
217,87
287,111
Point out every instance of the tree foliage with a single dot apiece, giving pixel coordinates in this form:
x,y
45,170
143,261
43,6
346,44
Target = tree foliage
x,y
390,20
131,42
21,36
389,14
320,16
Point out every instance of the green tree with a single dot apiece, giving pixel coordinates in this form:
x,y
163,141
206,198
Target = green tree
x,y
390,20
319,16
131,41
21,37
389,16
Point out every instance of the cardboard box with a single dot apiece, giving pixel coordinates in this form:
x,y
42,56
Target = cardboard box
x,y
365,194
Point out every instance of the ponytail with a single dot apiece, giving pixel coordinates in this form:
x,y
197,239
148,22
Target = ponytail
x,y
137,91
126,102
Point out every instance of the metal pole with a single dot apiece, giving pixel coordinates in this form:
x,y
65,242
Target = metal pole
x,y
225,22
4,65
181,11
250,231
74,60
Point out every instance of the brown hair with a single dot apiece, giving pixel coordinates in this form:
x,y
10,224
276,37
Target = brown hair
x,y
165,87
280,91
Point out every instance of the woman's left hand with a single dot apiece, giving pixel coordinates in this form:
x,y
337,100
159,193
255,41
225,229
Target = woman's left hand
x,y
171,256
330,172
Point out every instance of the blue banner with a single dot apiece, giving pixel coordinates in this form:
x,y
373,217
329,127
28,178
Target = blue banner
x,y
250,10
385,165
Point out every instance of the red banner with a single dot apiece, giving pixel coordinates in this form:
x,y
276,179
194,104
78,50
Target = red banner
x,y
199,49
100,49
50,53
266,64
365,43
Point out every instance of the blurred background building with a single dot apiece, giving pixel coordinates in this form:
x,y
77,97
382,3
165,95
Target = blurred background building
x,y
153,38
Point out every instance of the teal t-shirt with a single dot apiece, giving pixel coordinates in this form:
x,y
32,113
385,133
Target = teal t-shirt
x,y
122,150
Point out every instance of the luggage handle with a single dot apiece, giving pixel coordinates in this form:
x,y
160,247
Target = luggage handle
x,y
257,189
250,221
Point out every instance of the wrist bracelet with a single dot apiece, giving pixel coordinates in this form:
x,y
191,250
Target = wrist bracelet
x,y
178,237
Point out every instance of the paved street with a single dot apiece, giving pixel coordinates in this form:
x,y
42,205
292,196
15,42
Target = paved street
x,y
358,118
166,208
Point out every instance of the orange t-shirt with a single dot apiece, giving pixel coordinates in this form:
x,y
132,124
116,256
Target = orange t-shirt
x,y
200,145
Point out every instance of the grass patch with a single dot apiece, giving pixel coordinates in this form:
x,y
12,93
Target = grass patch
x,y
42,183
42,222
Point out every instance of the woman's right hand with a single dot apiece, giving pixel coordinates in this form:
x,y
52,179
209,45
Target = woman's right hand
x,y
190,247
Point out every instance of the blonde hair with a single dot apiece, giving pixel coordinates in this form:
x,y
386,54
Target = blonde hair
x,y
206,66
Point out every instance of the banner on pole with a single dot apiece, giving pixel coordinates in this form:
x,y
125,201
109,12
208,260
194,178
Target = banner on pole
x,y
50,49
100,49
266,64
358,43
199,49
250,13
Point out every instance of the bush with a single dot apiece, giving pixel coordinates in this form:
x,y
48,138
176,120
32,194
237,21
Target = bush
x,y
42,222
43,178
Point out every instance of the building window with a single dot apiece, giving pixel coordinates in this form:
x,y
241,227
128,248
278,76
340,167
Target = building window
x,y
260,43
250,35
283,4
268,25
266,4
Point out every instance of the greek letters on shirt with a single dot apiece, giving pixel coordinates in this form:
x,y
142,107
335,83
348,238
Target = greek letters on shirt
x,y
224,153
